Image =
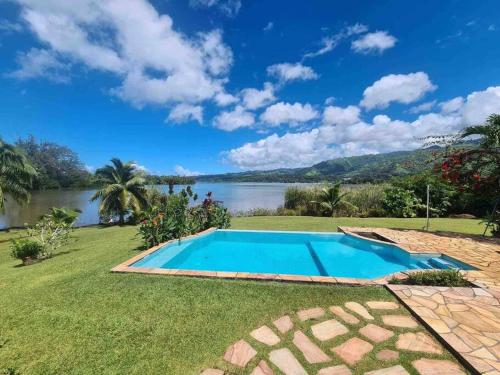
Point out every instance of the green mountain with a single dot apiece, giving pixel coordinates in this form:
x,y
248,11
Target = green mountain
x,y
354,169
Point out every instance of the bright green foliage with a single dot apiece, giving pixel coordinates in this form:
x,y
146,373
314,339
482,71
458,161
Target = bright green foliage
x,y
329,199
399,202
450,278
489,132
24,248
169,216
16,174
53,230
123,190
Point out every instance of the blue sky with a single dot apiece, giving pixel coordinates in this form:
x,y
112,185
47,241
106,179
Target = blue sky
x,y
211,86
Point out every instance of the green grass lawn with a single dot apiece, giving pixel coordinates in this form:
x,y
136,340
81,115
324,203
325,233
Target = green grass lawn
x,y
326,224
69,314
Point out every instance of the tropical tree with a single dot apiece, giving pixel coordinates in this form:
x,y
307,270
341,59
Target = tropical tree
x,y
329,198
489,133
123,191
16,174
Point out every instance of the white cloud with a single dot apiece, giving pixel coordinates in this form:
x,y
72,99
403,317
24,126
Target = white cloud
x,y
330,100
452,105
401,88
333,115
268,27
39,63
480,104
8,27
286,113
223,99
291,72
331,42
156,63
377,42
236,119
424,107
254,98
181,171
229,7
140,168
382,134
186,112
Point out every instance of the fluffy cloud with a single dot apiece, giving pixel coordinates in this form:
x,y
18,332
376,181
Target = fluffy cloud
x,y
156,63
452,105
39,63
254,98
424,107
235,119
291,72
333,115
181,171
382,134
286,113
186,112
229,7
223,99
268,27
402,88
480,104
376,42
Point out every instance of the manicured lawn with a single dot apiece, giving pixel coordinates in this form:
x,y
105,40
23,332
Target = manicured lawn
x,y
69,314
325,224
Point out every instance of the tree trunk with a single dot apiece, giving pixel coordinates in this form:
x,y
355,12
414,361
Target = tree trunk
x,y
121,219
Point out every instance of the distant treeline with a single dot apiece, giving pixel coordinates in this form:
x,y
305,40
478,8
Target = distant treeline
x,y
60,167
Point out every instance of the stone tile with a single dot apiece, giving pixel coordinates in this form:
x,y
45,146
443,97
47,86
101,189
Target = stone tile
x,y
311,352
212,371
394,370
344,315
483,353
262,369
265,335
335,370
418,342
314,313
328,329
382,305
359,309
400,321
456,343
426,366
240,353
283,324
387,355
286,362
375,333
353,350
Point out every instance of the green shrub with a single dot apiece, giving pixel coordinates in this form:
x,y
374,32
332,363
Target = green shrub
x,y
367,199
450,278
399,202
24,249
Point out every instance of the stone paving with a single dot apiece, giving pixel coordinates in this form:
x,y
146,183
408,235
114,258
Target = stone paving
x,y
374,338
466,319
480,252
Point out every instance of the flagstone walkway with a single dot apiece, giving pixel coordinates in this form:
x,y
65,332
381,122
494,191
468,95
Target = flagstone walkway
x,y
466,319
375,338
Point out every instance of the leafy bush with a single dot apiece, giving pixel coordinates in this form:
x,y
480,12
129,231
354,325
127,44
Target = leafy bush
x,y
367,199
170,217
53,230
24,249
399,202
450,278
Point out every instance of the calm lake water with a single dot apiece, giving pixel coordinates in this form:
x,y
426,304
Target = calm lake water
x,y
235,196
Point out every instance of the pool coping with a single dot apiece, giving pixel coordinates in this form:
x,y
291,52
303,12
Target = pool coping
x,y
125,267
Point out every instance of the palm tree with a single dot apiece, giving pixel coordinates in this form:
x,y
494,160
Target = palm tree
x,y
489,132
16,174
124,189
329,198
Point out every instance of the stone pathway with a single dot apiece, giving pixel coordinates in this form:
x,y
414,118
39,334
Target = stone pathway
x,y
374,338
467,319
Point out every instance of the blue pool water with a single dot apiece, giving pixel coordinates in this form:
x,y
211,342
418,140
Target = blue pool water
x,y
292,253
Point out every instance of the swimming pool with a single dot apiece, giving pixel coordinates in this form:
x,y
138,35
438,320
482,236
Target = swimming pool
x,y
291,253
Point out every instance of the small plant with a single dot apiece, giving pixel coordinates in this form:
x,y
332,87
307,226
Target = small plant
x,y
10,371
450,278
26,250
